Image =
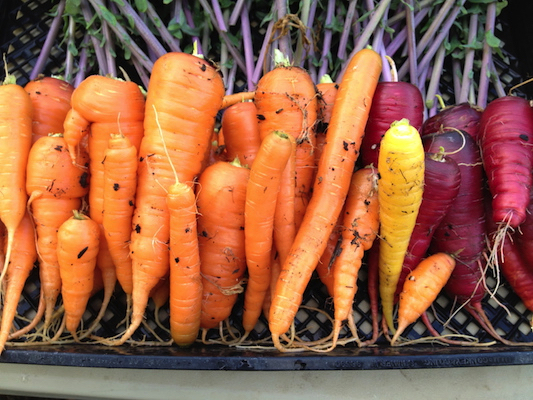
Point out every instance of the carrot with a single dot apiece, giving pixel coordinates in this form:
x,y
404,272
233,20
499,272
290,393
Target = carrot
x,y
241,132
221,201
360,227
55,187
184,129
185,279
261,201
421,288
22,262
463,116
77,247
442,181
335,170
324,267
401,185
392,101
16,113
234,98
327,92
50,97
120,185
505,140
286,100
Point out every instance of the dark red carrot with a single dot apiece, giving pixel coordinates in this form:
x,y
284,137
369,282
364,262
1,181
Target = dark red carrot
x,y
441,186
462,231
463,116
392,101
505,139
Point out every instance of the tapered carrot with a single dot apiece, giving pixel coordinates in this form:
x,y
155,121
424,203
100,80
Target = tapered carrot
x,y
401,168
261,202
55,187
16,113
22,262
120,185
221,201
360,228
183,125
185,279
327,92
78,240
50,97
335,170
421,288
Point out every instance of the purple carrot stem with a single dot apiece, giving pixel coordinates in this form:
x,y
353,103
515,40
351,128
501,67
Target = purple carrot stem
x,y
69,59
96,44
236,12
248,47
167,37
141,71
219,15
82,62
309,51
456,78
48,42
484,79
401,37
434,80
498,86
151,41
343,42
123,35
284,41
261,63
432,49
469,60
411,41
326,47
109,46
190,21
230,88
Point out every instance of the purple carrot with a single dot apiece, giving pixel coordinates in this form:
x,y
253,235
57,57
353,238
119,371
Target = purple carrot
x,y
464,117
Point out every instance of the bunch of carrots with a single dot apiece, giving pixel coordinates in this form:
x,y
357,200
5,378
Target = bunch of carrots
x,y
110,187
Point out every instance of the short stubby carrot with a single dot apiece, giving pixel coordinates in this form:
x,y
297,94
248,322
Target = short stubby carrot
x,y
16,116
360,229
421,288
78,240
400,189
335,169
185,300
50,97
241,132
221,201
259,212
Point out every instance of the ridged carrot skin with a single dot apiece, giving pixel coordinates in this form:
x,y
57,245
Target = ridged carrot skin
x,y
50,97
400,190
185,299
335,169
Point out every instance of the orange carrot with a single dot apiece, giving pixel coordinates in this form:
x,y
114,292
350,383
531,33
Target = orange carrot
x,y
421,288
56,187
77,247
234,98
261,202
335,170
360,228
16,113
286,100
185,279
241,132
50,97
120,185
221,199
186,92
327,92
22,262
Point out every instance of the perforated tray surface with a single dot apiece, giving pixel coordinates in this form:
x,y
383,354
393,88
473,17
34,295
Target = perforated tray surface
x,y
28,23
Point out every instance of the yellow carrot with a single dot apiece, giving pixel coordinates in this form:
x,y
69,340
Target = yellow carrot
x,y
400,188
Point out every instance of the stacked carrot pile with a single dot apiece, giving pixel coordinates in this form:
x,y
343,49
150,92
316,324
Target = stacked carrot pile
x,y
108,188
